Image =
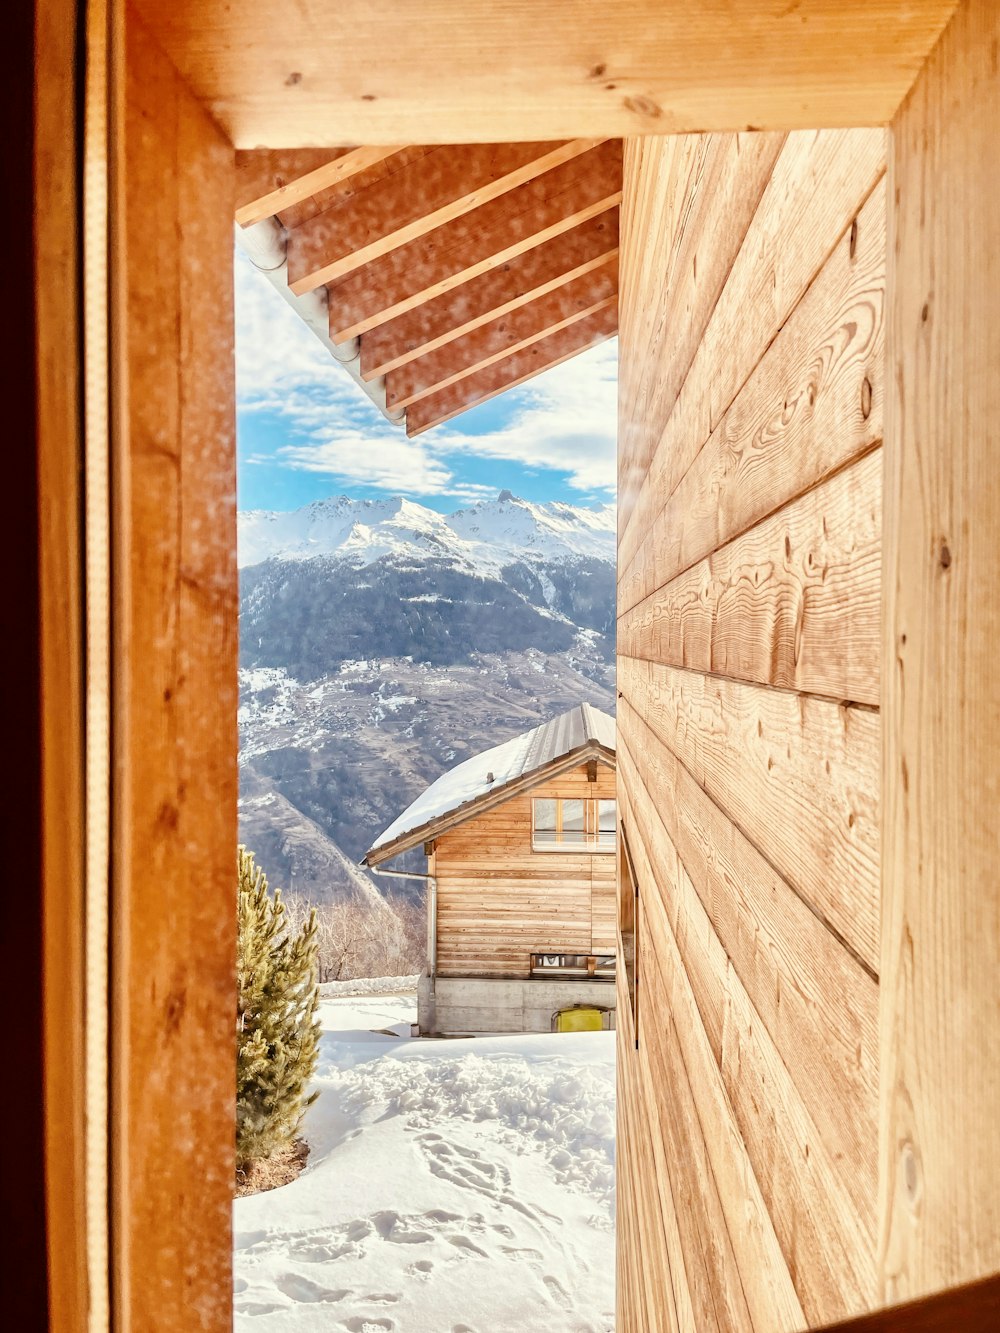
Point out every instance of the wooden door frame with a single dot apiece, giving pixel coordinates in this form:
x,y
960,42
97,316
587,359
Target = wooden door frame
x,y
173,955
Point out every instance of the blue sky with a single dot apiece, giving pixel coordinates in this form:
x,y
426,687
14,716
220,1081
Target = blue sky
x,y
306,431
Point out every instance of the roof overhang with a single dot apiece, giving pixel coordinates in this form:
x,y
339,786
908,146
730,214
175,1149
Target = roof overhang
x,y
434,828
441,276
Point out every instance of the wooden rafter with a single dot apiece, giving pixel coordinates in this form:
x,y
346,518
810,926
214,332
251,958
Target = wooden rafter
x,y
514,370
481,240
504,337
312,183
525,278
446,184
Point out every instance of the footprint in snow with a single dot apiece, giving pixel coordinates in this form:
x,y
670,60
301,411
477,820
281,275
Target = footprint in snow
x,y
259,1307
525,1253
246,1240
360,1324
422,1268
391,1227
301,1289
557,1291
463,1243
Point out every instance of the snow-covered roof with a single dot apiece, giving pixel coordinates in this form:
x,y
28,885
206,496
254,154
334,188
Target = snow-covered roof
x,y
457,794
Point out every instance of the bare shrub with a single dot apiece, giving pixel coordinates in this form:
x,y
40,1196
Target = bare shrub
x,y
358,938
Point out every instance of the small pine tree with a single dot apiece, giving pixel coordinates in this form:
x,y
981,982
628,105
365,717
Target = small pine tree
x,y
277,1031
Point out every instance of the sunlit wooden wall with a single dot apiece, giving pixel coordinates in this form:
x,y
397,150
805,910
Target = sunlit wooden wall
x,y
499,902
753,272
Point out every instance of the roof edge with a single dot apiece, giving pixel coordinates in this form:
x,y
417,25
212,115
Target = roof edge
x,y
431,828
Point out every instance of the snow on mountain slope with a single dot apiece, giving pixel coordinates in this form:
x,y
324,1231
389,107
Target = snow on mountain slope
x,y
485,538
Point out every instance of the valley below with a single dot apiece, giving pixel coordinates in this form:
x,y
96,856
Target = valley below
x,y
383,643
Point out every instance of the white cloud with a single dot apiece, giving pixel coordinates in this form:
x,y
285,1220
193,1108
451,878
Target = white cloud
x,y
563,420
391,463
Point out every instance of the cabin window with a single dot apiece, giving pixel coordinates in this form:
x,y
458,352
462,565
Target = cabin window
x,y
576,966
628,922
563,824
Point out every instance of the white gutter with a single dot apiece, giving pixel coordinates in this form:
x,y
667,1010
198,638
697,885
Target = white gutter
x,y
265,244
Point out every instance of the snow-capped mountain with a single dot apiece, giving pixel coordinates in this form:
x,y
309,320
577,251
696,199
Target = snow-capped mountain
x,y
483,539
381,642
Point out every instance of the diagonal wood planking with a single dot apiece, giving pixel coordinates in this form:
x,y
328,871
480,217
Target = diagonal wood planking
x,y
446,184
463,270
517,369
503,337
527,277
477,242
346,166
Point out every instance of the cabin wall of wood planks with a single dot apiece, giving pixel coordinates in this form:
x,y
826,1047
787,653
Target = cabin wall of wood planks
x,y
498,902
752,371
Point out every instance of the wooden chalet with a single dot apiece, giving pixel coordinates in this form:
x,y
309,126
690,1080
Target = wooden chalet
x,y
521,847
788,212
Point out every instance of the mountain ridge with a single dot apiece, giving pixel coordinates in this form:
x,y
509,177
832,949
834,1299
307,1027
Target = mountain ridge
x,y
483,538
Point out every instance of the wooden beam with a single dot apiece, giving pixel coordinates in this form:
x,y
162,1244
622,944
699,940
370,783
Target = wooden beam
x,y
517,369
524,278
489,236
263,170
504,337
940,1010
174,670
459,71
446,184
322,178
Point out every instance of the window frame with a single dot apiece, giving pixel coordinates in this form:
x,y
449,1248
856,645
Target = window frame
x,y
629,916
590,843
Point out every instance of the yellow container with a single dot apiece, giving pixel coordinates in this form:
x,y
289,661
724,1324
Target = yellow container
x,y
579,1019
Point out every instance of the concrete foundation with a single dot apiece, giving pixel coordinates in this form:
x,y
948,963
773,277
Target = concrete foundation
x,y
469,1006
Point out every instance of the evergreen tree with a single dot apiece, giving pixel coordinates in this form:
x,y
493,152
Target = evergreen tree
x,y
277,1031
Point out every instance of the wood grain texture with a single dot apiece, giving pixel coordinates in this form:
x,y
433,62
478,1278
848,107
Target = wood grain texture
x,y
450,71
477,242
446,184
674,1027
809,1194
326,177
175,741
57,279
820,181
751,393
505,336
795,602
515,369
499,901
818,1004
940,1169
708,189
526,277
798,775
813,403
652,1290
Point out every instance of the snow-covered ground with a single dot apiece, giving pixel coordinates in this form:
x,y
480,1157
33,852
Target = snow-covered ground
x,y
452,1186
